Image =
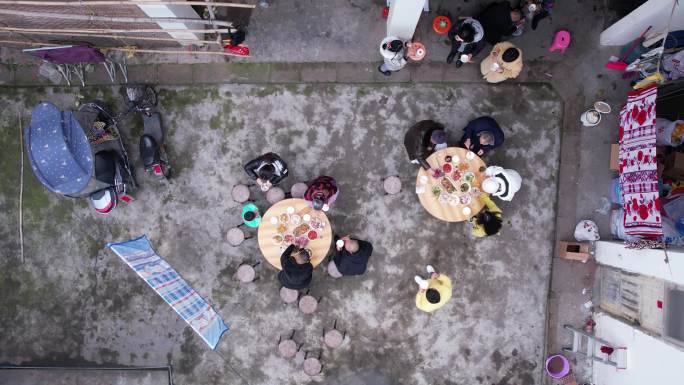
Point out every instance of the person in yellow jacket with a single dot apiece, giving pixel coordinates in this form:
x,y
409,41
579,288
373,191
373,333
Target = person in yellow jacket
x,y
488,221
434,292
504,62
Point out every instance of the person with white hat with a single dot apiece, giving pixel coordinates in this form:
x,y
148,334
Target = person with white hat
x,y
502,183
393,51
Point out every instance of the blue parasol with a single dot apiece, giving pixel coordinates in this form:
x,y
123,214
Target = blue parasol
x,y
58,149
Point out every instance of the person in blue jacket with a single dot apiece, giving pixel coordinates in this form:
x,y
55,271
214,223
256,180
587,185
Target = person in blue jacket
x,y
482,135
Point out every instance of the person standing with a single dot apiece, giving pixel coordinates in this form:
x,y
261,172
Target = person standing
x,y
422,139
297,271
499,21
482,135
321,193
467,40
393,51
504,62
434,292
351,256
267,170
501,182
488,221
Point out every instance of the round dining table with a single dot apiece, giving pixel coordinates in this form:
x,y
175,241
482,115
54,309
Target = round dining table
x,y
268,230
451,210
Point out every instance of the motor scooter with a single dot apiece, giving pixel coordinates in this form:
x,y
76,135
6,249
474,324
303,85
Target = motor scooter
x,y
152,147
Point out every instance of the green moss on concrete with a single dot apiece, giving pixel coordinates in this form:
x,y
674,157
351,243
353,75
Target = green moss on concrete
x,y
264,91
175,100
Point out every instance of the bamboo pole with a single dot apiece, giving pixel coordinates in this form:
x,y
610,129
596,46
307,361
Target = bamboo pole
x,y
190,41
50,15
121,2
102,30
131,50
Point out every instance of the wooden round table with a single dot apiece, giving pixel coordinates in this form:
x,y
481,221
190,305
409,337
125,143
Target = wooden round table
x,y
448,211
267,230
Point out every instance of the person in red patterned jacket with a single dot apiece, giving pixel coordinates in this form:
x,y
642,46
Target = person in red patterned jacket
x,y
322,192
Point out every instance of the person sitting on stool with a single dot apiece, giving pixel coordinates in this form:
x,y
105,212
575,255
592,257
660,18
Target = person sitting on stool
x,y
250,215
351,258
268,170
482,135
297,268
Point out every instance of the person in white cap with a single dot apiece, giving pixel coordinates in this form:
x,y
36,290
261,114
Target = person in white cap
x,y
393,51
501,182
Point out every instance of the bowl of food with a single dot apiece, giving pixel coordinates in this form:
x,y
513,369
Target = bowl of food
x,y
446,167
469,177
436,191
301,242
437,173
284,218
447,158
277,239
290,210
456,175
312,234
274,220
300,230
465,199
288,239
470,155
464,187
316,223
295,219
281,228
306,217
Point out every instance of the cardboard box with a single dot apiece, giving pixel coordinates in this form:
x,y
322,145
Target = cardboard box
x,y
576,251
614,152
674,166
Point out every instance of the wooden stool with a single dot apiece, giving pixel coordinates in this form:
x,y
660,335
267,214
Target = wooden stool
x,y
298,190
312,365
235,236
288,295
332,270
308,304
240,193
245,273
288,348
275,195
333,338
392,185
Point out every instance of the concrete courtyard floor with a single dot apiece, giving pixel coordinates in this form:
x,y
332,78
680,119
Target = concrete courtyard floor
x,y
72,302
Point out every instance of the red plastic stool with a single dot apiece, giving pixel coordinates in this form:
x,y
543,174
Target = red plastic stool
x,y
441,25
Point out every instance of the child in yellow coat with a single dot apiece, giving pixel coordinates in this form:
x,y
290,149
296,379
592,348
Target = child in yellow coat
x,y
433,292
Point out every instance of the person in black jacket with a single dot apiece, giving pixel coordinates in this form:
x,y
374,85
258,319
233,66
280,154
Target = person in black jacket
x,y
499,21
351,258
268,170
467,40
297,268
422,139
482,135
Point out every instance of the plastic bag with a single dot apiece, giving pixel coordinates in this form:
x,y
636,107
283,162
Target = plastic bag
x,y
669,133
617,226
616,192
586,230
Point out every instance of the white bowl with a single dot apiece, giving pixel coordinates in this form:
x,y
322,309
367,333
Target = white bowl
x,y
466,210
470,155
290,210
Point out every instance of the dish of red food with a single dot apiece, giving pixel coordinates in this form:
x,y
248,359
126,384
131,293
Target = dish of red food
x,y
446,167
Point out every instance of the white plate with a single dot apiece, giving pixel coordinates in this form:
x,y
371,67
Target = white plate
x,y
466,210
470,155
274,220
290,210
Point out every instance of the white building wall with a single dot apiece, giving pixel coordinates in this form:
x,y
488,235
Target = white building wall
x,y
650,361
175,11
403,18
655,13
650,262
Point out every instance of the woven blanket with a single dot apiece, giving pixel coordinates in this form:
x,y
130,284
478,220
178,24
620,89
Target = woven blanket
x,y
638,165
139,255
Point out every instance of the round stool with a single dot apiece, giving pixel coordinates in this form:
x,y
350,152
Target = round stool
x,y
288,295
240,193
287,348
312,366
275,195
298,190
392,185
245,273
235,236
333,338
308,304
332,270
441,25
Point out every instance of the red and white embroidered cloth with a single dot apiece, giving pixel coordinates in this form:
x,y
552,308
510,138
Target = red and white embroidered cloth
x,y
638,164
